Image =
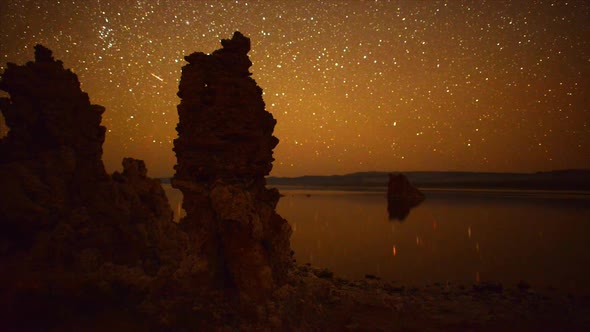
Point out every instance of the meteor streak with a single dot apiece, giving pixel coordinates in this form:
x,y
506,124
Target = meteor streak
x,y
158,77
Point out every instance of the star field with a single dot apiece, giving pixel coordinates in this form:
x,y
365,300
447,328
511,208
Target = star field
x,y
354,85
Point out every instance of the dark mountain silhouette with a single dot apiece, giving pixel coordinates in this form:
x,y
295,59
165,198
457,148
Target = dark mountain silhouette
x,y
553,180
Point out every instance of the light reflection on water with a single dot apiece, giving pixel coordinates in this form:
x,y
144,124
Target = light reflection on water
x,y
457,236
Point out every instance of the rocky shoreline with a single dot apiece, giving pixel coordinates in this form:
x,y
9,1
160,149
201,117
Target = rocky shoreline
x,y
373,305
315,300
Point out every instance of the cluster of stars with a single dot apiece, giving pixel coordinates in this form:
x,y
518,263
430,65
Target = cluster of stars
x,y
354,85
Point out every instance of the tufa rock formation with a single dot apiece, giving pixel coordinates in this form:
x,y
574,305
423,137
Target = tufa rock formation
x,y
73,238
224,151
79,246
402,196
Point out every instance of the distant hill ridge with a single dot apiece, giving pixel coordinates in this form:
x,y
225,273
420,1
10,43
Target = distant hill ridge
x,y
570,179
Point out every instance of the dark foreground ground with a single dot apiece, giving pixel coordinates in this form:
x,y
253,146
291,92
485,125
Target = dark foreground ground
x,y
372,305
315,300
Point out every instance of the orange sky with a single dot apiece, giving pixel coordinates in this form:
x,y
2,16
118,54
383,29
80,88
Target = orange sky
x,y
354,85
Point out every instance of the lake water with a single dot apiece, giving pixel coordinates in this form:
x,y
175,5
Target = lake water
x,y
456,236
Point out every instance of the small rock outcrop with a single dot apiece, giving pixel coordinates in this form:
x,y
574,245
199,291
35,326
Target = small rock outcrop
x,y
402,196
224,150
73,237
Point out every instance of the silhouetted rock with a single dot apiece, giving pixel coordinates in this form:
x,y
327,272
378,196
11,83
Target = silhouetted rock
x,y
402,196
47,112
73,238
224,150
398,210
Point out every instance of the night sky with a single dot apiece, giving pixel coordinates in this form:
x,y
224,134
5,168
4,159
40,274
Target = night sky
x,y
354,85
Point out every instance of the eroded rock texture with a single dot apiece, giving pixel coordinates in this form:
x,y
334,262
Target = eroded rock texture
x,y
73,239
224,150
402,196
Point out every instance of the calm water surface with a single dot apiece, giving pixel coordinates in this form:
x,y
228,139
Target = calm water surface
x,y
456,236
